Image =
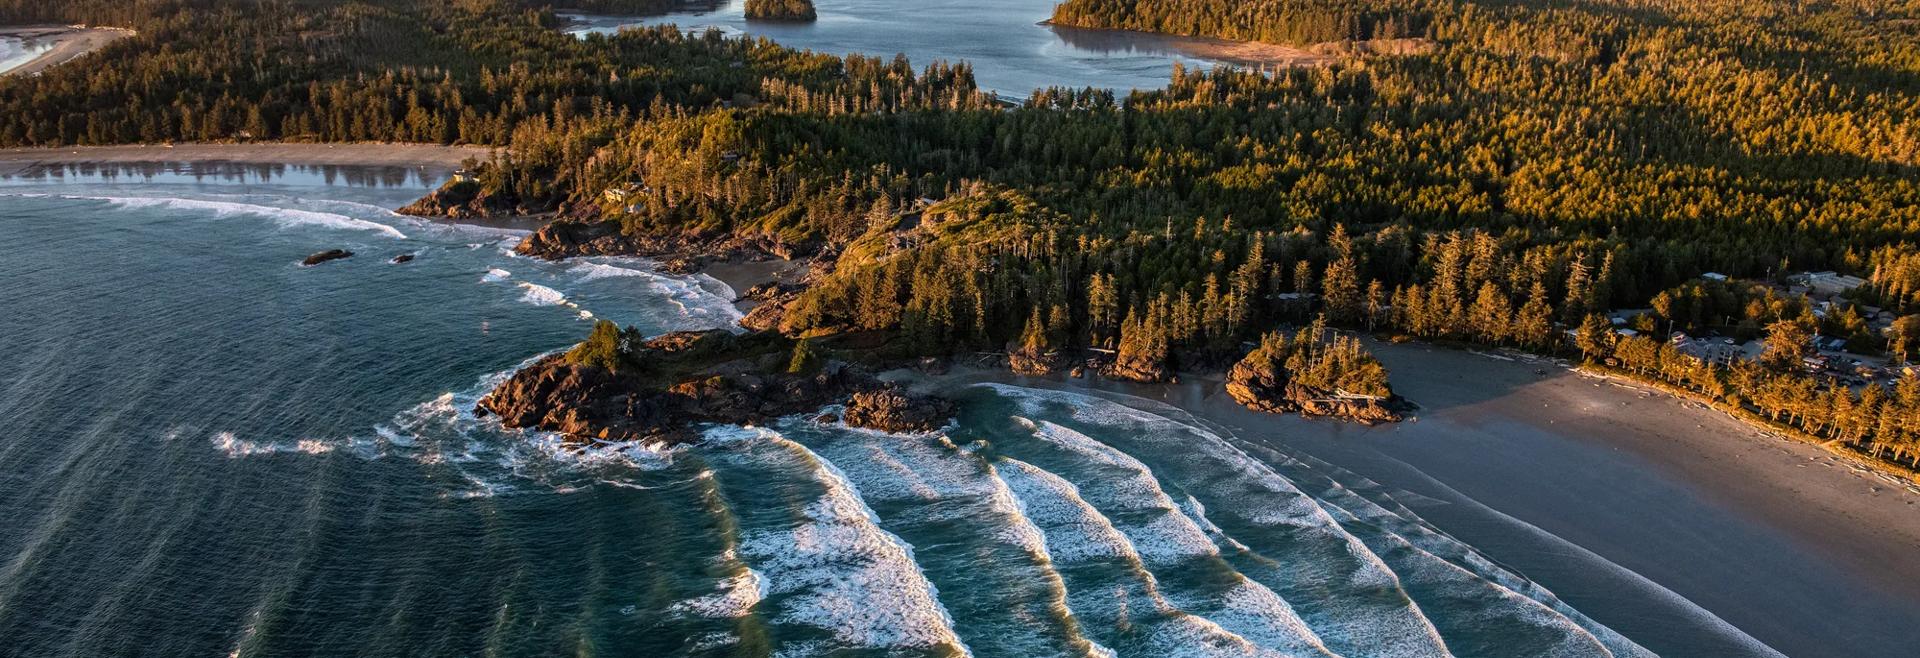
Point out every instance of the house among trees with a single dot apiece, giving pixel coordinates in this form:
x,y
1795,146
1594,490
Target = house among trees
x,y
465,176
1828,283
621,193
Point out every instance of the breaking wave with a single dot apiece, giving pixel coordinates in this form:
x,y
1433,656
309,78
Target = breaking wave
x,y
539,295
835,569
283,216
696,297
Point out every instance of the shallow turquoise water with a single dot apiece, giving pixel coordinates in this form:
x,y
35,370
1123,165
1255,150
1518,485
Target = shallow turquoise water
x,y
208,449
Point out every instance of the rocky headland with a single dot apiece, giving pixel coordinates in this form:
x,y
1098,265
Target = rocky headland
x,y
1311,377
618,386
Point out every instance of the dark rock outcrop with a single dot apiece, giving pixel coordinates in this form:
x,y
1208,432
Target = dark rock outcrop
x,y
566,238
679,266
466,200
1028,362
581,401
324,256
891,409
1264,385
563,239
765,317
1142,370
687,378
402,258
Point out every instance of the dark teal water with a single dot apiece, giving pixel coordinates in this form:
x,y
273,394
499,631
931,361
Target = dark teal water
x,y
207,449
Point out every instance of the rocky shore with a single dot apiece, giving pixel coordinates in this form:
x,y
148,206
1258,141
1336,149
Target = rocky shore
x,y
1309,375
566,238
1271,391
683,379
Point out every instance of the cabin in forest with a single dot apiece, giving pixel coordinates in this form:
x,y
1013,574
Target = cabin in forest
x,y
1828,283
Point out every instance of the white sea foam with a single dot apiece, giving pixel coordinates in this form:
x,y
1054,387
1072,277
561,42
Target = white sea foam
x,y
836,569
1077,533
1127,484
733,597
539,295
591,271
694,296
495,275
1249,610
284,216
1370,604
234,447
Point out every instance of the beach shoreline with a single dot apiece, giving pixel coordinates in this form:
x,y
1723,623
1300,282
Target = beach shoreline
x,y
1238,53
742,275
16,161
69,43
1633,505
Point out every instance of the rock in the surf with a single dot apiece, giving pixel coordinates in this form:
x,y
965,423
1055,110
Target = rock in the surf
x,y
324,256
891,409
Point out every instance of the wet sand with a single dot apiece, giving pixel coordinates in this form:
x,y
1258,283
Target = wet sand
x,y
1627,503
69,43
742,275
18,160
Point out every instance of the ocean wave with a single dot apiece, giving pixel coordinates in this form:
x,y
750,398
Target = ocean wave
x,y
539,295
1127,484
283,216
1078,534
1128,489
696,297
837,570
734,597
1370,613
234,447
1477,574
1452,591
495,275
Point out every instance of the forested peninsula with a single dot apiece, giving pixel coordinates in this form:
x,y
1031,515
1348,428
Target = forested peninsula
x,y
1538,170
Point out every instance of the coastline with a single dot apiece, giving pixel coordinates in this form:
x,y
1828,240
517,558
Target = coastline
x,y
1616,498
16,161
69,43
741,276
1238,53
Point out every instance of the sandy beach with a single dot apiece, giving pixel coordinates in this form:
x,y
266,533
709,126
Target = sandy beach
x,y
68,44
1691,532
744,275
17,160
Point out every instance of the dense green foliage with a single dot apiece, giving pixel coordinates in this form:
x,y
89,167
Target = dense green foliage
x,y
1275,21
1340,365
780,10
1544,162
1876,420
607,346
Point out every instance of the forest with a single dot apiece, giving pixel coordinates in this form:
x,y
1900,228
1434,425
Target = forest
x,y
1543,163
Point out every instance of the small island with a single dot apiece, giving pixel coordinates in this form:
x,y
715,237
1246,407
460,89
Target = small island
x,y
800,11
619,385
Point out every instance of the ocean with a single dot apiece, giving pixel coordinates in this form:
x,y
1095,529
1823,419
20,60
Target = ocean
x,y
208,449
